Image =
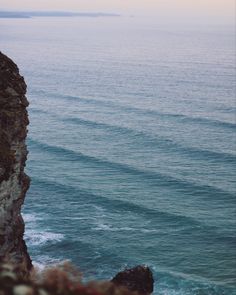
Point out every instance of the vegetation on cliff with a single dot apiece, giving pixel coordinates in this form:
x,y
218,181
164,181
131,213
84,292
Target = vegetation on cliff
x,y
63,280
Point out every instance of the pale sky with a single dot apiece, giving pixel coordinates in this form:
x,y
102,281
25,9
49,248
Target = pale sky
x,y
212,11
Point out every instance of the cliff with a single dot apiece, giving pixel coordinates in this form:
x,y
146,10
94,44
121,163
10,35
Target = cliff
x,y
13,153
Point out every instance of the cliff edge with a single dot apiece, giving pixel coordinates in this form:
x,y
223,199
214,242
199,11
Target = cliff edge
x,y
13,153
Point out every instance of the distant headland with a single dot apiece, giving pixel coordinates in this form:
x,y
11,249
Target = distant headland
x,y
30,14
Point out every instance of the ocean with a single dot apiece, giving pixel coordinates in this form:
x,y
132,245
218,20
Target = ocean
x,y
131,148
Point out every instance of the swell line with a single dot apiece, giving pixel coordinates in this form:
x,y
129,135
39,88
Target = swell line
x,y
157,179
159,142
121,205
154,113
185,223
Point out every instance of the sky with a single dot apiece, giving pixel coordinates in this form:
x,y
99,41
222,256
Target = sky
x,y
212,11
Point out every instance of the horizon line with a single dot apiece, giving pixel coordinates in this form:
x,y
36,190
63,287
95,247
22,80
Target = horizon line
x,y
53,13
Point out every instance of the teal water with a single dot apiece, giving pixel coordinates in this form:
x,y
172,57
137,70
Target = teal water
x,y
131,148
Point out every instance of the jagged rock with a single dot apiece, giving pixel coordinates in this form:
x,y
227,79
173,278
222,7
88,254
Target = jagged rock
x,y
13,153
139,279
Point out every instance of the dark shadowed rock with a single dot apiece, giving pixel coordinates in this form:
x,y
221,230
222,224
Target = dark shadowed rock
x,y
13,153
139,279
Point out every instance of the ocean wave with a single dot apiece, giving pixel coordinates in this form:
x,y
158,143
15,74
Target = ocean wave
x,y
169,282
29,217
41,262
164,180
175,222
143,111
101,226
159,142
33,235
37,238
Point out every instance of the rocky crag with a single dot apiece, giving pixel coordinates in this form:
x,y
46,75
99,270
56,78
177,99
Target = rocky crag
x,y
137,279
13,153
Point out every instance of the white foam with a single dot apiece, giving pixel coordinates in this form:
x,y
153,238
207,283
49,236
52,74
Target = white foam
x,y
145,230
44,262
36,238
105,227
28,218
33,234
167,291
102,226
39,266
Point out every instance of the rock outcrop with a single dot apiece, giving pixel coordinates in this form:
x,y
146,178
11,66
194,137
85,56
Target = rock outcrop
x,y
13,153
138,279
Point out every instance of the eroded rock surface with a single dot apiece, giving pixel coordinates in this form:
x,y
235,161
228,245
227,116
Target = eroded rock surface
x,y
139,279
13,153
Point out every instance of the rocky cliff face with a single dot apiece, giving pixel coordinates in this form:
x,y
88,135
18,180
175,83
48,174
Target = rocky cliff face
x,y
13,152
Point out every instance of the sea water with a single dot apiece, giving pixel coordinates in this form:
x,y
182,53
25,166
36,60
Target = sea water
x,y
131,148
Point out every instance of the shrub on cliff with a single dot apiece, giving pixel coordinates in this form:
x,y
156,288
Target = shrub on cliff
x,y
64,280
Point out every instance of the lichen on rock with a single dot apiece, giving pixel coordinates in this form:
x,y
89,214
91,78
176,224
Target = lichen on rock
x,y
13,154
